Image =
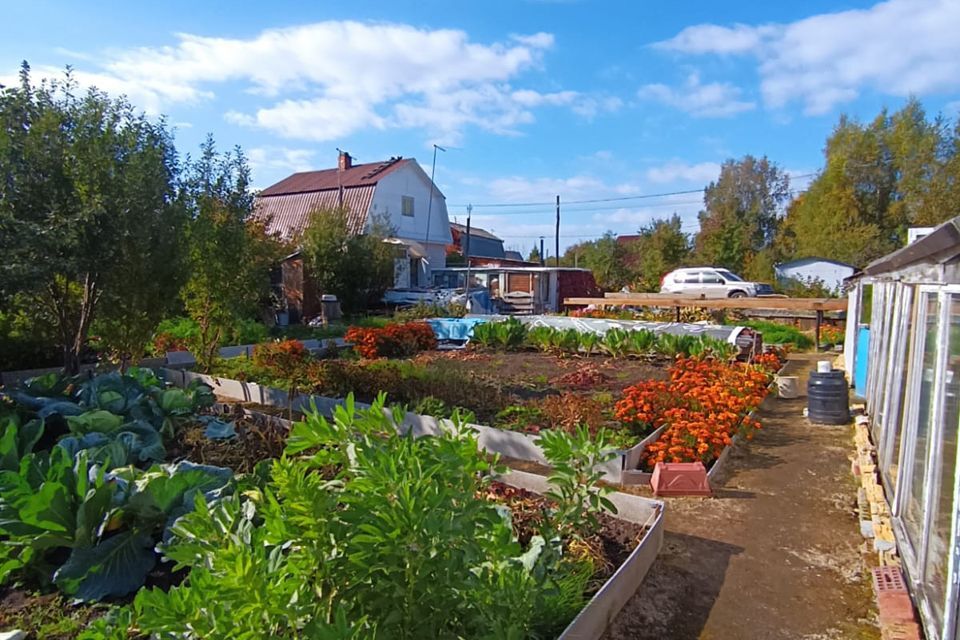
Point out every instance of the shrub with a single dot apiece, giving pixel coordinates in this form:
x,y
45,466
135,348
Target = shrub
x,y
568,410
280,357
392,341
777,333
424,310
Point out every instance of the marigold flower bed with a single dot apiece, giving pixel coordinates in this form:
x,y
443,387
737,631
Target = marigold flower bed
x,y
703,405
393,340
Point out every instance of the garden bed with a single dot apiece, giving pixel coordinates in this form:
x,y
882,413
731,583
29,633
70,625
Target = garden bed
x,y
621,548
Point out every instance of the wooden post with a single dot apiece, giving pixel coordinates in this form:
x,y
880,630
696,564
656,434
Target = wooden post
x,y
678,314
819,322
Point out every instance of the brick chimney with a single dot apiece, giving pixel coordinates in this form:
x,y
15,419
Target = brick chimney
x,y
345,161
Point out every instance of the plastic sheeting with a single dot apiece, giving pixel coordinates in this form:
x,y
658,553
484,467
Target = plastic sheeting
x,y
455,329
602,325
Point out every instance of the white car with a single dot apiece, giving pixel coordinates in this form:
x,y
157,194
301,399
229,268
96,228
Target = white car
x,y
710,282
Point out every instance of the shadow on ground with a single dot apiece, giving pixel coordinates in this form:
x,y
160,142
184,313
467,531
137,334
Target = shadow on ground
x,y
690,570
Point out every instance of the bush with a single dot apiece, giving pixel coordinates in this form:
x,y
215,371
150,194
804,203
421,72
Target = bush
x,y
424,310
393,341
776,333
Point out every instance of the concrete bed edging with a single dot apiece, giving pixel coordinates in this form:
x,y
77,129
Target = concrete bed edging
x,y
597,614
513,444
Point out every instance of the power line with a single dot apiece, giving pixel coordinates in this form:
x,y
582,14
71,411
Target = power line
x,y
601,200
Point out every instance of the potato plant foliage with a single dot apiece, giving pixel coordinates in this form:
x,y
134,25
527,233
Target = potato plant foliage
x,y
360,532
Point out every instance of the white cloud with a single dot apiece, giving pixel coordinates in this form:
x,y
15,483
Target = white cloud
x,y
711,38
678,171
280,158
898,47
520,189
711,100
325,80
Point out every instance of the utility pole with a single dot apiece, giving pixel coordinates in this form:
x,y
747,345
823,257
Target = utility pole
x,y
557,235
433,172
467,288
543,258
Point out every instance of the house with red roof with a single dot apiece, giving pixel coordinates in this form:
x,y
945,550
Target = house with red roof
x,y
395,191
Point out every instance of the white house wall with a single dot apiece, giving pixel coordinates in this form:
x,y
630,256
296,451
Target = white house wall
x,y
831,274
410,180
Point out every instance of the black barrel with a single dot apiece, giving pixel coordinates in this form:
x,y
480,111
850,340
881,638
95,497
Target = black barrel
x,y
828,398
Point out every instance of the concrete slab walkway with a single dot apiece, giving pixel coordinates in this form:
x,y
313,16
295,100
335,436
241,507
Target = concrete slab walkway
x,y
775,555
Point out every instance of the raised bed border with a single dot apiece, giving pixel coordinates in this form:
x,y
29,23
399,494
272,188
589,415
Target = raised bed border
x,y
635,476
601,609
513,444
622,469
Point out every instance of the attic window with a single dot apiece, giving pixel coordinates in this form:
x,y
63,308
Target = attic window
x,y
406,205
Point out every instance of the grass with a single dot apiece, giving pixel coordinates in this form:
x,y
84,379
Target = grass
x,y
776,333
50,617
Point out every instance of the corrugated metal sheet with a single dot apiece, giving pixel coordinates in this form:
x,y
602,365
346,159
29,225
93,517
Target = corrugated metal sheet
x,y
287,216
356,176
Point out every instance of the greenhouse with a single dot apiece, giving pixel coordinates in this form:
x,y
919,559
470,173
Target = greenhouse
x,y
905,352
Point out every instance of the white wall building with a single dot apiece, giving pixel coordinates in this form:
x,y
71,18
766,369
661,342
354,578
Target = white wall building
x,y
396,191
805,270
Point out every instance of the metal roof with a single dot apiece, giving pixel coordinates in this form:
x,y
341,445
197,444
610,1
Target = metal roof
x,y
940,246
287,215
475,232
356,176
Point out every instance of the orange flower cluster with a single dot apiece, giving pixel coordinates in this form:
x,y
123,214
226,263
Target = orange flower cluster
x,y
703,405
392,341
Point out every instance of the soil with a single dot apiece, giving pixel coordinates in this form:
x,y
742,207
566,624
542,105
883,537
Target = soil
x,y
253,443
45,616
610,546
531,374
774,554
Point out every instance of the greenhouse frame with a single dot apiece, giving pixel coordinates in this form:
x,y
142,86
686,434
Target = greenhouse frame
x,y
903,344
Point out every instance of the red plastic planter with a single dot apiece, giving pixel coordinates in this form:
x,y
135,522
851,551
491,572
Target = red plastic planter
x,y
680,479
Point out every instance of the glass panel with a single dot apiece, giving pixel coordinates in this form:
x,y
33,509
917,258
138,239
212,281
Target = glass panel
x,y
913,511
893,464
939,542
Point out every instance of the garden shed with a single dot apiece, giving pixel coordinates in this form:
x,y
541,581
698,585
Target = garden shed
x,y
908,303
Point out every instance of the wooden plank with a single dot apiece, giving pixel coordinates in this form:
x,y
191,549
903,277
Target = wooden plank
x,y
658,300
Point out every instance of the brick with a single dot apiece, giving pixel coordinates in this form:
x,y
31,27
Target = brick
x,y
900,631
893,600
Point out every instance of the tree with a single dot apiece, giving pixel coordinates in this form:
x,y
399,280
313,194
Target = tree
x,y
660,247
898,171
604,257
534,255
85,184
742,210
356,267
229,258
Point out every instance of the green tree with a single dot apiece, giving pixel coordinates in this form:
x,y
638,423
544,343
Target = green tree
x,y
534,255
356,267
897,171
604,257
229,258
660,247
742,211
85,184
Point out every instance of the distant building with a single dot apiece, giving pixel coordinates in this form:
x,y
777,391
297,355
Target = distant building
x,y
397,190
483,244
830,272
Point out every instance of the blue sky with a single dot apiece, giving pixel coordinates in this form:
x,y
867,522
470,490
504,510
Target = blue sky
x,y
588,100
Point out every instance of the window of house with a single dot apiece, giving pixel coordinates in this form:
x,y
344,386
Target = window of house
x,y
406,205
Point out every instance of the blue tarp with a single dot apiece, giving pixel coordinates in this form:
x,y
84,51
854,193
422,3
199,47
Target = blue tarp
x,y
459,329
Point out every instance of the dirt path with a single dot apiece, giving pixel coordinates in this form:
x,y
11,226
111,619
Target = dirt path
x,y
775,555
